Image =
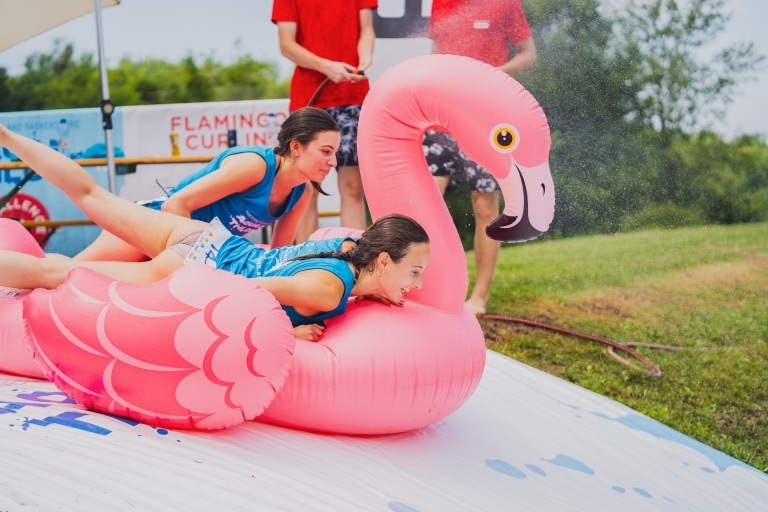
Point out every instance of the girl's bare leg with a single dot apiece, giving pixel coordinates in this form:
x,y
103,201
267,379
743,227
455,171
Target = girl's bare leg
x,y
19,270
107,247
148,230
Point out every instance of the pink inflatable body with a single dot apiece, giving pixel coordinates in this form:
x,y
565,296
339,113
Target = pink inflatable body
x,y
15,354
203,349
377,369
381,369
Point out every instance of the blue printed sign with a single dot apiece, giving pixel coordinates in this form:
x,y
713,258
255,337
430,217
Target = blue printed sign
x,y
76,133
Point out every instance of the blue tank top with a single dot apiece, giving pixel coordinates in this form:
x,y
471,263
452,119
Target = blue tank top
x,y
243,212
240,256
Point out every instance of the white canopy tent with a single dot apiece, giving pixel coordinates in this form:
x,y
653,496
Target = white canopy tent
x,y
30,18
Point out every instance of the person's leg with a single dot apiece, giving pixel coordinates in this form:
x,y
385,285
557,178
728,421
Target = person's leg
x,y
308,223
486,208
149,230
446,163
107,247
20,270
485,205
442,183
441,152
352,197
352,207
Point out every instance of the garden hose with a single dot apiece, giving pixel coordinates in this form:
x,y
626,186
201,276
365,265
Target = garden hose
x,y
612,346
320,87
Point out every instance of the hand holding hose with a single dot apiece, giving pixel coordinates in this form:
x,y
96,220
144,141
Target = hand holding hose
x,y
342,72
349,74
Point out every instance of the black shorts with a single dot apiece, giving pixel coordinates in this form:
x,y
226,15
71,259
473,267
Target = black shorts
x,y
446,159
347,117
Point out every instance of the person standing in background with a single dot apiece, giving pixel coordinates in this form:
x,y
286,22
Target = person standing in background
x,y
331,42
485,30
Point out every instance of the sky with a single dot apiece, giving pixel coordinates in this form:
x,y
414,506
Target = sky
x,y
226,29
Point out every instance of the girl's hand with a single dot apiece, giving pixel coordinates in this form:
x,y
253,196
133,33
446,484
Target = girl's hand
x,y
311,332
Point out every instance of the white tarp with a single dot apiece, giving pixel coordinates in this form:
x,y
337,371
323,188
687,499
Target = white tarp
x,y
24,19
524,441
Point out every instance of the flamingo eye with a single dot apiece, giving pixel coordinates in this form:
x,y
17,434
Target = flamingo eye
x,y
504,138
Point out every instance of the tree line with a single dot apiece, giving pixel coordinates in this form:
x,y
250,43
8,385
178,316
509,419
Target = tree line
x,y
628,93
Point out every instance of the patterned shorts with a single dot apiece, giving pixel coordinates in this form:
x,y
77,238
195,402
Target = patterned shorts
x,y
347,117
446,159
183,246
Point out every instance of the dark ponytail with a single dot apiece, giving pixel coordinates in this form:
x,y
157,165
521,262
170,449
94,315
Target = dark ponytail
x,y
393,234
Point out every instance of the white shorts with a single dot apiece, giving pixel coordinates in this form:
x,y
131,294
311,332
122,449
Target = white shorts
x,y
207,246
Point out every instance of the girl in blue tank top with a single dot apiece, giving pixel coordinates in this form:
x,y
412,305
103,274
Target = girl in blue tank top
x,y
241,212
248,187
394,245
340,260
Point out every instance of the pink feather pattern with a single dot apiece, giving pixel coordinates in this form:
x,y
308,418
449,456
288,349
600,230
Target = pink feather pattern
x,y
202,349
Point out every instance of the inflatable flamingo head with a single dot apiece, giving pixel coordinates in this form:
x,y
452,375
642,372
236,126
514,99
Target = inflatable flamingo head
x,y
495,121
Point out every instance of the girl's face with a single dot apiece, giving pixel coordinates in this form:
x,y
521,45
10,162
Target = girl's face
x,y
318,157
397,279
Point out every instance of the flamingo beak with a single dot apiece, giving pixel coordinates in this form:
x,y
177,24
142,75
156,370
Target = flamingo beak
x,y
515,222
508,229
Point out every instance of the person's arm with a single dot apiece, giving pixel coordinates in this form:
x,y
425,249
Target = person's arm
x,y
293,51
284,232
309,292
525,57
237,174
366,40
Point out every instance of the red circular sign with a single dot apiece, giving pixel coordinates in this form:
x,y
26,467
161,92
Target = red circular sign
x,y
25,207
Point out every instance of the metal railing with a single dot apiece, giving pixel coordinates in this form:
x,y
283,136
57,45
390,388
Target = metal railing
x,y
97,162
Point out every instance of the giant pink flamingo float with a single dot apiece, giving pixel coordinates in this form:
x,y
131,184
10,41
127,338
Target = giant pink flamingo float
x,y
377,369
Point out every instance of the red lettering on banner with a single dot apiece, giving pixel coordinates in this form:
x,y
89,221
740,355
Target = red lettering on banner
x,y
209,132
221,122
279,117
25,207
246,121
255,138
191,142
206,141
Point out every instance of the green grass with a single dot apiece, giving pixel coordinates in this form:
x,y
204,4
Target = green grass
x,y
703,291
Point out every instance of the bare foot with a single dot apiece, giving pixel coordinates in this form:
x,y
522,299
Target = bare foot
x,y
477,306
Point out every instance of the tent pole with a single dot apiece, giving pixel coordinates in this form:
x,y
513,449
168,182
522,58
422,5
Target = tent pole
x,y
106,105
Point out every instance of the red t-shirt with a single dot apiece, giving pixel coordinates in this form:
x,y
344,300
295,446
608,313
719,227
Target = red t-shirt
x,y
329,29
481,29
